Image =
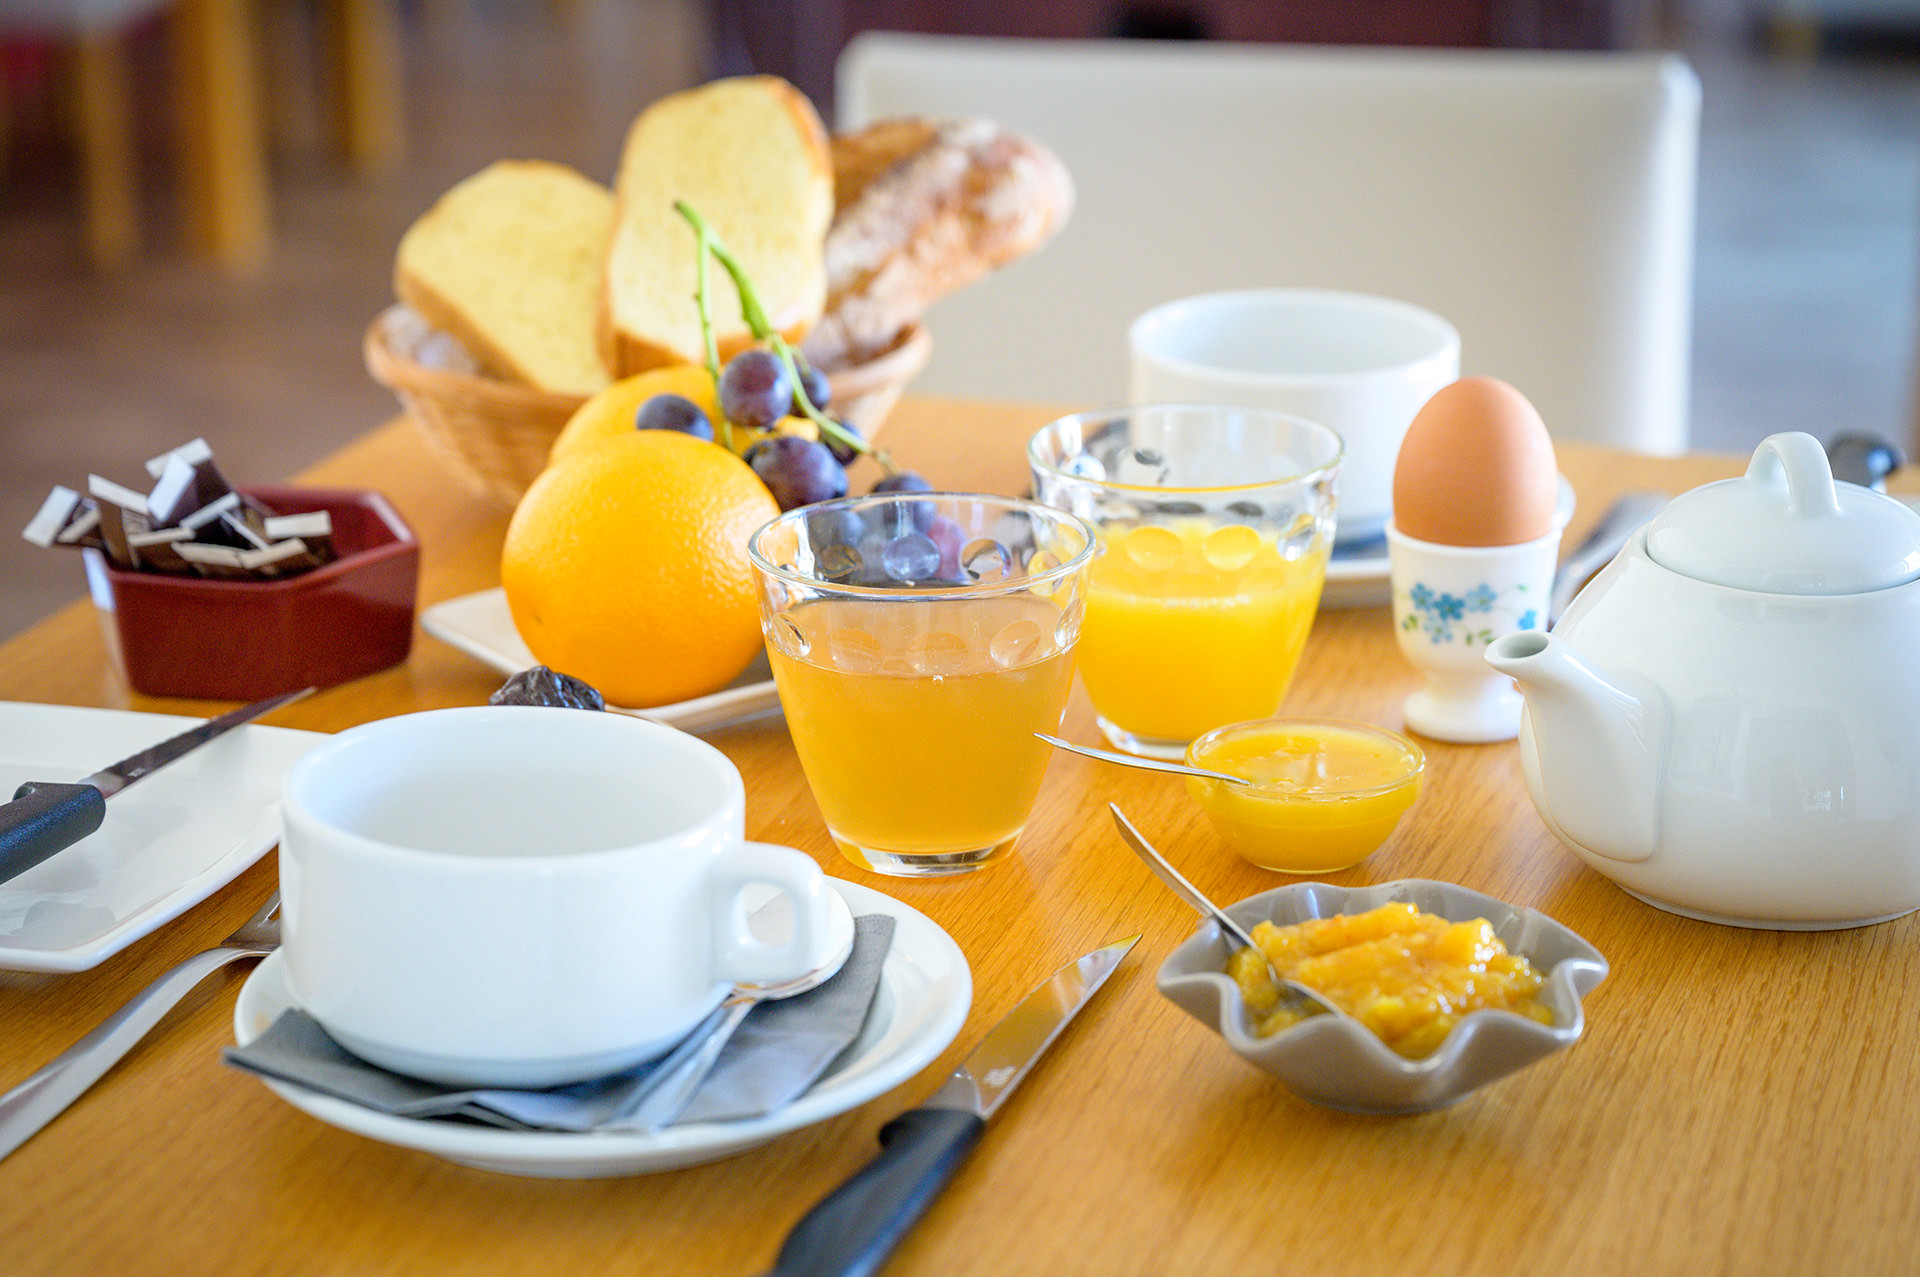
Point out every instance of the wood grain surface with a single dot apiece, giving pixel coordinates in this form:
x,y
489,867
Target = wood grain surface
x,y
1742,1102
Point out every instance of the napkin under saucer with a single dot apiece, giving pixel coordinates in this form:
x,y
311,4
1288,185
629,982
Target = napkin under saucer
x,y
778,1052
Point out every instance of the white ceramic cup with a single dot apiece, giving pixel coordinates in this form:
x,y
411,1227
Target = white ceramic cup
x,y
1359,364
516,896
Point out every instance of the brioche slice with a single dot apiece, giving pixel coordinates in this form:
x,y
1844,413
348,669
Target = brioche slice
x,y
510,262
750,155
927,207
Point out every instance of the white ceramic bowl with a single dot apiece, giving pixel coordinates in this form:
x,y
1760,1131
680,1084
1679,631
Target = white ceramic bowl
x,y
1334,1060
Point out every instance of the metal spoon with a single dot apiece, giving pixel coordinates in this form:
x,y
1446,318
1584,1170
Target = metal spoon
x,y
1134,760
681,1073
1295,996
1865,459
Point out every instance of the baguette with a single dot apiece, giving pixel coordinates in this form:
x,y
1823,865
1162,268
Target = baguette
x,y
509,262
750,155
926,207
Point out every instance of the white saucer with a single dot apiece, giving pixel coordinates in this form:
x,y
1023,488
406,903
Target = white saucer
x,y
925,992
481,626
167,843
1357,582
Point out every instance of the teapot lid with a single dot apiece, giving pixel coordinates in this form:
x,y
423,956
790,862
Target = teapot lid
x,y
1786,527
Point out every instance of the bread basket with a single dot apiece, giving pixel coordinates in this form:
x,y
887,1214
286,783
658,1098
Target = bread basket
x,y
495,435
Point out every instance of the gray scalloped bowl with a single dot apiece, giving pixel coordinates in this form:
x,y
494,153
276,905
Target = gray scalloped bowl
x,y
1334,1060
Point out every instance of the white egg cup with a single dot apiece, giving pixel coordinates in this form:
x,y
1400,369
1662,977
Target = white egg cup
x,y
1450,602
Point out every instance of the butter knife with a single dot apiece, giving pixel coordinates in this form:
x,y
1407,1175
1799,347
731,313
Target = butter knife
x,y
47,817
853,1229
1609,536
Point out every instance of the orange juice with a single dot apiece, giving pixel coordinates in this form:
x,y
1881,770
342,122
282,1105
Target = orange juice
x,y
1325,794
914,718
1192,625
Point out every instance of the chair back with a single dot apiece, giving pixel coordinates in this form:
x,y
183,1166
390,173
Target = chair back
x,y
1541,201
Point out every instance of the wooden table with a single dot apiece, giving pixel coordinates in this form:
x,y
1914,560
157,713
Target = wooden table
x,y
1742,1102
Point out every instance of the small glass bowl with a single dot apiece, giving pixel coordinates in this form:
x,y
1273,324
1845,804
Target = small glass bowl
x,y
1326,792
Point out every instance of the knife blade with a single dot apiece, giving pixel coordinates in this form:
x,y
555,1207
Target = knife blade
x,y
851,1231
1608,537
47,817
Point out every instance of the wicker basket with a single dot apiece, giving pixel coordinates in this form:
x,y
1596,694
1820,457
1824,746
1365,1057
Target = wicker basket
x,y
495,434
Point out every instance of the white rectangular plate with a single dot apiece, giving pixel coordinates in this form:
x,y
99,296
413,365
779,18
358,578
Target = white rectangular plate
x,y
167,843
481,626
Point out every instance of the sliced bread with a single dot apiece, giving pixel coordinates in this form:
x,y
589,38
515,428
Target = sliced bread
x,y
750,155
511,262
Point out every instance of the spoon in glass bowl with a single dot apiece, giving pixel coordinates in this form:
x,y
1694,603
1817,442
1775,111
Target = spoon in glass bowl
x,y
1146,764
1294,996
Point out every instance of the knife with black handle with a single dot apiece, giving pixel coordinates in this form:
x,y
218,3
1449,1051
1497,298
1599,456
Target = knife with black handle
x,y
853,1229
46,817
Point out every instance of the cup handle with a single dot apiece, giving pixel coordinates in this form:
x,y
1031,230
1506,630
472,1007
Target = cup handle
x,y
742,957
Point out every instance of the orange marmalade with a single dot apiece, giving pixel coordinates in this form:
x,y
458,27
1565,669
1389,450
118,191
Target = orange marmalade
x,y
1406,975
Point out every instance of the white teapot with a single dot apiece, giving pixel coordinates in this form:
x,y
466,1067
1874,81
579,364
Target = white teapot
x,y
1726,721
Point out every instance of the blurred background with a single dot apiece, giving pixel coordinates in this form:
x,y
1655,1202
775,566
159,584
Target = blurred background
x,y
200,199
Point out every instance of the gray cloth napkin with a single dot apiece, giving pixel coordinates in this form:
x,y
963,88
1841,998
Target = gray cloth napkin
x,y
779,1051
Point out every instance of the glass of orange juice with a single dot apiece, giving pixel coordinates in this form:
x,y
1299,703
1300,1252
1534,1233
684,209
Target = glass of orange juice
x,y
1214,523
918,641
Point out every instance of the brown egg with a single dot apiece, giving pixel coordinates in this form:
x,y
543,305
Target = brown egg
x,y
1476,468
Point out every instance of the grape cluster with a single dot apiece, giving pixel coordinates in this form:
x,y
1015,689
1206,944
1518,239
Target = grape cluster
x,y
903,543
772,400
770,417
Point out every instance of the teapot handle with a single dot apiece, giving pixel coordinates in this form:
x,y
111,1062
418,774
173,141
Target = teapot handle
x,y
1797,458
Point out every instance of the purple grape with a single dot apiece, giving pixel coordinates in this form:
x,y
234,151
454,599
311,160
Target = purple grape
x,y
902,481
839,526
912,557
797,471
843,453
819,391
946,534
907,516
755,390
674,412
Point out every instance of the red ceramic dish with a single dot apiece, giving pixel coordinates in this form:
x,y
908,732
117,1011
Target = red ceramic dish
x,y
230,640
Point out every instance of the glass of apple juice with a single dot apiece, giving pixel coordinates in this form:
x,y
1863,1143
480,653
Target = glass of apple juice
x,y
918,641
1214,523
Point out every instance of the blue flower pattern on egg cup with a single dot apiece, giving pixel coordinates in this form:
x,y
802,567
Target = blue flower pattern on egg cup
x,y
1438,612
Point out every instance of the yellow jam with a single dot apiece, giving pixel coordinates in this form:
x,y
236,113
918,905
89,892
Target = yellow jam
x,y
1325,794
1407,976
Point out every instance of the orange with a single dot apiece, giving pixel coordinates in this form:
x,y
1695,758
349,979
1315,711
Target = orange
x,y
626,566
611,411
744,439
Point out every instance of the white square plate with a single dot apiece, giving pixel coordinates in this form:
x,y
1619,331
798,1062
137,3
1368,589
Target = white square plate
x,y
168,842
481,626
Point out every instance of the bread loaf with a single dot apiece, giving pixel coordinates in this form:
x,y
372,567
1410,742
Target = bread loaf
x,y
924,208
510,263
750,155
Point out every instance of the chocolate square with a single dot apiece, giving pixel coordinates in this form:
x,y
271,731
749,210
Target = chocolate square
x,y
182,488
192,452
55,513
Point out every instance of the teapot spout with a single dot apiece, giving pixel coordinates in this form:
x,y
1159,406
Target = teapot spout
x,y
1596,745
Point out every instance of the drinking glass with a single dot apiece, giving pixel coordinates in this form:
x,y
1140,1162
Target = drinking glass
x,y
1214,524
919,641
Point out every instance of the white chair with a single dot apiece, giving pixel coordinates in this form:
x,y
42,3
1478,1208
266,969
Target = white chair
x,y
1542,202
